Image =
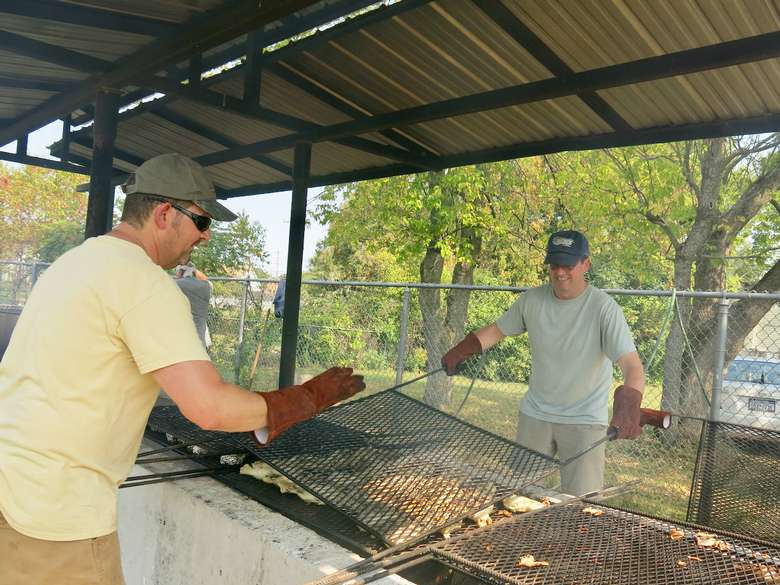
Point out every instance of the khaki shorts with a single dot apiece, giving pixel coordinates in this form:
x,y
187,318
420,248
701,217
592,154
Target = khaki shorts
x,y
30,561
581,476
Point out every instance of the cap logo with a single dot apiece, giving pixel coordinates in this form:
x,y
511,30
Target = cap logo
x,y
559,241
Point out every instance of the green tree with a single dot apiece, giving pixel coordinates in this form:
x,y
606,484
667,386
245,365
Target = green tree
x,y
32,200
57,238
690,207
445,226
235,249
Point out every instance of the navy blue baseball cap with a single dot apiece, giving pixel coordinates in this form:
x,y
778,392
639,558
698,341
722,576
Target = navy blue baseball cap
x,y
566,248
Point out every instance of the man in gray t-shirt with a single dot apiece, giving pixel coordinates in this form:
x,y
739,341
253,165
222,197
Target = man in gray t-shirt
x,y
576,332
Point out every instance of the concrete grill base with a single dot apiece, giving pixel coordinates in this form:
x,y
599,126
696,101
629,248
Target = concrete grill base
x,y
200,532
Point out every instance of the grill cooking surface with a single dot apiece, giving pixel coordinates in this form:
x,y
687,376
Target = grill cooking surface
x,y
616,547
398,467
737,482
169,420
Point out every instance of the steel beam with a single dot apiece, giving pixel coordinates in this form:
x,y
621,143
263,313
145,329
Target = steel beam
x,y
290,26
37,84
726,54
231,104
506,20
86,16
43,162
215,136
49,53
222,26
292,292
344,107
100,206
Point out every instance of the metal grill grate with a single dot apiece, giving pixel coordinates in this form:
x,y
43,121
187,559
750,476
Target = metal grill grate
x,y
616,547
399,468
169,420
736,485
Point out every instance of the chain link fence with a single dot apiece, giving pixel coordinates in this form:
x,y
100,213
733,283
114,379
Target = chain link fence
x,y
708,355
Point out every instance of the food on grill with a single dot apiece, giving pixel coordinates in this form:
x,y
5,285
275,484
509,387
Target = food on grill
x,y
530,562
518,504
676,534
593,511
708,540
482,518
268,474
447,530
682,563
694,558
433,499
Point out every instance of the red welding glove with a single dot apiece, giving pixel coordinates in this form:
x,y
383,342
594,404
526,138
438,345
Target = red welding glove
x,y
626,412
289,406
467,347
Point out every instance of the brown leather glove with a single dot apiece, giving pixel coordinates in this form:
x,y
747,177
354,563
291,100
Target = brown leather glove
x,y
289,406
626,412
467,347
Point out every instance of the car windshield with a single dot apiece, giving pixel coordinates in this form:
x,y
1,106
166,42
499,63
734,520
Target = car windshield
x,y
754,371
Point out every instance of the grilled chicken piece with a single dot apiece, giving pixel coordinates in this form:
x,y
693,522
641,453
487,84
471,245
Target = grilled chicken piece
x,y
518,504
267,474
482,518
530,562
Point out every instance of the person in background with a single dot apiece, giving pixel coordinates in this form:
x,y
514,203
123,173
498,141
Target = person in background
x,y
103,330
197,288
575,332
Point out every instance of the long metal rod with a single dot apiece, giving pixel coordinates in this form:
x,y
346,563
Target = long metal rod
x,y
175,475
174,446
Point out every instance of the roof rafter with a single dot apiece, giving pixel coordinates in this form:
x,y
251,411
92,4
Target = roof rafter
x,y
220,27
88,16
255,112
725,54
291,26
52,53
215,136
756,125
506,20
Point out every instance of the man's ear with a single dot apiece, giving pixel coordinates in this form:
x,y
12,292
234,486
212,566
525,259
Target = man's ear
x,y
161,215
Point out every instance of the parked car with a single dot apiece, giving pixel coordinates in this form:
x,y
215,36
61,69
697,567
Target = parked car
x,y
751,393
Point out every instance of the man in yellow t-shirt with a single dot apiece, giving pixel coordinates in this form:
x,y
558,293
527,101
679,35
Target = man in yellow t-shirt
x,y
104,328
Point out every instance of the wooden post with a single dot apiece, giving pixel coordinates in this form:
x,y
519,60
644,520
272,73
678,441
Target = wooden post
x,y
100,207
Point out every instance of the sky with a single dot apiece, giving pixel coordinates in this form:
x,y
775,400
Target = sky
x,y
272,211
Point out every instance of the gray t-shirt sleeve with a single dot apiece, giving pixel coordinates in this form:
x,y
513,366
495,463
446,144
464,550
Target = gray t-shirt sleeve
x,y
616,338
512,321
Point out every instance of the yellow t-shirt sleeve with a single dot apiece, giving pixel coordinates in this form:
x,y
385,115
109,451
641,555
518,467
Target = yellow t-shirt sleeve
x,y
159,331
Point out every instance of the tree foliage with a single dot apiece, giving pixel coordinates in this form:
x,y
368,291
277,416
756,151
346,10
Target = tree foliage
x,y
235,249
32,201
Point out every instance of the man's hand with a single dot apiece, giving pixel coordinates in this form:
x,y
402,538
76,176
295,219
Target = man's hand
x,y
289,406
626,412
332,386
467,347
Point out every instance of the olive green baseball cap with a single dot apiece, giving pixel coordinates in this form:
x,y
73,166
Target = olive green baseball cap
x,y
178,177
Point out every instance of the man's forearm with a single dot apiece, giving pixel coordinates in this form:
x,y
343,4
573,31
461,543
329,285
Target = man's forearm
x,y
489,336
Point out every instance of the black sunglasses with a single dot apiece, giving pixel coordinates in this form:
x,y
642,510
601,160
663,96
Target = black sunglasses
x,y
201,222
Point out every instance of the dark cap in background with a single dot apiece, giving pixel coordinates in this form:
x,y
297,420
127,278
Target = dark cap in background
x,y
566,248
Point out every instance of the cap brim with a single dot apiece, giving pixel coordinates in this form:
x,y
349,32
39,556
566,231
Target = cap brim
x,y
561,259
216,210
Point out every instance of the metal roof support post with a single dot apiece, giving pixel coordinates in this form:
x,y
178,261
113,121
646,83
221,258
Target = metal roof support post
x,y
720,358
100,206
292,295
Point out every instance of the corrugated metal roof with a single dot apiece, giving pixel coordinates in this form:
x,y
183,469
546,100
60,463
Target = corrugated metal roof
x,y
443,82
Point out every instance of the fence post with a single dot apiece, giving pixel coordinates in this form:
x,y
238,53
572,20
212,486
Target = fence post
x,y
34,277
401,359
709,437
241,319
720,358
